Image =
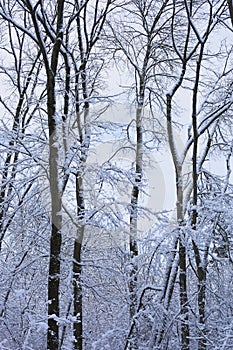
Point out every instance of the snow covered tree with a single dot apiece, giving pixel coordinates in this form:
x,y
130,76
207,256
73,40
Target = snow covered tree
x,y
87,258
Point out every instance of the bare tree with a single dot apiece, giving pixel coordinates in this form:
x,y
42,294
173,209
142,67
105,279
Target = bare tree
x,y
153,291
53,34
137,40
185,56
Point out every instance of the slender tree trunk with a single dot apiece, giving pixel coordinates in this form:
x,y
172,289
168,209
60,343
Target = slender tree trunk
x,y
55,191
77,268
201,268
77,290
183,295
84,136
133,244
184,311
55,240
169,285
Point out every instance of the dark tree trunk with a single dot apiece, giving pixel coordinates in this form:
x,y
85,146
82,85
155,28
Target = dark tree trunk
x,y
77,290
183,297
55,191
56,239
77,266
200,265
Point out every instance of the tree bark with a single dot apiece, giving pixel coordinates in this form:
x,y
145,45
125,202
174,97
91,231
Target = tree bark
x,y
200,265
133,244
77,268
55,192
184,311
56,239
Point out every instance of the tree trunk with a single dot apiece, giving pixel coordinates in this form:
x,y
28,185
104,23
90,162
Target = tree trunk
x,y
169,285
184,311
201,269
55,191
77,267
77,298
133,244
56,239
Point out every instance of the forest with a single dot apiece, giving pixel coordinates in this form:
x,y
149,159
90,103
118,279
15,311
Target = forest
x,y
116,184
